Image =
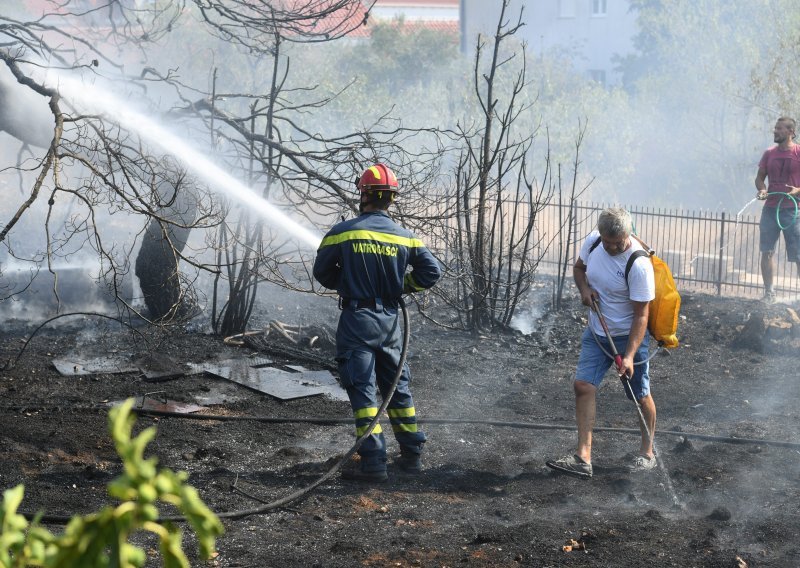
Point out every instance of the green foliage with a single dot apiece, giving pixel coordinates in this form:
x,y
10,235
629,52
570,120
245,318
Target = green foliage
x,y
774,80
398,57
719,42
705,89
415,74
101,539
710,43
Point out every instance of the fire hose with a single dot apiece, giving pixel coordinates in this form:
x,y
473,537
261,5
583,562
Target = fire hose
x,y
438,421
618,362
63,519
268,506
338,465
296,495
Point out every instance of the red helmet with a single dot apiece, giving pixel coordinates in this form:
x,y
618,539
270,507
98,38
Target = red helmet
x,y
377,177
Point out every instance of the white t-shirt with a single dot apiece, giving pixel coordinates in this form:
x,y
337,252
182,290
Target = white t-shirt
x,y
606,274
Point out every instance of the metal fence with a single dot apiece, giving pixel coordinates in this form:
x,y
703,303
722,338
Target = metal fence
x,y
707,251
713,251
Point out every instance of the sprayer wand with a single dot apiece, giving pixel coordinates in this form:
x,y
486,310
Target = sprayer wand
x,y
618,362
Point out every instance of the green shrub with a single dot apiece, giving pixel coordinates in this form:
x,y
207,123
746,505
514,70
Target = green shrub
x,y
101,539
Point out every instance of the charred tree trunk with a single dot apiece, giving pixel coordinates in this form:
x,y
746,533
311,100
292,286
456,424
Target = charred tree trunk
x,y
158,258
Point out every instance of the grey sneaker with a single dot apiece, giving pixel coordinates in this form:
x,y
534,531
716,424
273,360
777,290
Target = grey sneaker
x,y
571,465
769,297
642,463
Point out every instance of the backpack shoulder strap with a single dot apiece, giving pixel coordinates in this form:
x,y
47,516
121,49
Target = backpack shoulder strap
x,y
645,246
636,254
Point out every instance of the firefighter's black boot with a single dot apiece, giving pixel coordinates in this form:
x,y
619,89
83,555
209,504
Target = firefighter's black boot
x,y
371,469
410,459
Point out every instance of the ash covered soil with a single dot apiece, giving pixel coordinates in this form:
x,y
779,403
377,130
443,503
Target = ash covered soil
x,y
499,406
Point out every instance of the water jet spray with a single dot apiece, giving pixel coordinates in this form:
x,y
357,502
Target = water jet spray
x,y
96,98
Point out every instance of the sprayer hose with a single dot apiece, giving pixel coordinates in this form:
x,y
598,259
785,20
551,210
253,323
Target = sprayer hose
x,y
610,356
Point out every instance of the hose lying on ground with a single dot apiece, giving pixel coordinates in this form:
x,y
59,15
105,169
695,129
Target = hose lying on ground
x,y
16,409
296,495
58,519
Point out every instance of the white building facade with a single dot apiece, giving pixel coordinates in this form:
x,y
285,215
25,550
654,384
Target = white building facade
x,y
593,31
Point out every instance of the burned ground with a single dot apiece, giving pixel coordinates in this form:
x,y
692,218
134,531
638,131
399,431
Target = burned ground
x,y
497,407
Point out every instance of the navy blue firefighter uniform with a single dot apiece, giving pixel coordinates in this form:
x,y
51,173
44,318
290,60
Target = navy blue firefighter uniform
x,y
365,259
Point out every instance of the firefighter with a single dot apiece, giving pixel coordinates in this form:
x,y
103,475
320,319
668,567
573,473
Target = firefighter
x,y
365,260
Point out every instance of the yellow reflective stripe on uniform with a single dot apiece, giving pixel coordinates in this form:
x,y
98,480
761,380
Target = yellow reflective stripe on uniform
x,y
361,429
411,283
368,412
404,427
370,236
401,412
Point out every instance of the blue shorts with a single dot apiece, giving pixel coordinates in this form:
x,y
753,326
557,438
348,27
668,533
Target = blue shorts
x,y
769,231
593,363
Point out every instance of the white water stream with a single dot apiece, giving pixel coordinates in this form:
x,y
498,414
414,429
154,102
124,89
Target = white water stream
x,y
95,99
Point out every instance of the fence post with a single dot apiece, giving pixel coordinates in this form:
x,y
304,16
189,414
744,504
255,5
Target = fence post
x,y
721,252
573,208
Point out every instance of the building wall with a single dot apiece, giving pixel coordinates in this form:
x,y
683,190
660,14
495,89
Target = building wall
x,y
427,10
568,25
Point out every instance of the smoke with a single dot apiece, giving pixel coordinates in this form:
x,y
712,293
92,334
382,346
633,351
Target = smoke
x,y
31,292
533,306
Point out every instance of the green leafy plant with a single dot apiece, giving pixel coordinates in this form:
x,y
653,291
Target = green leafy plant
x,y
101,539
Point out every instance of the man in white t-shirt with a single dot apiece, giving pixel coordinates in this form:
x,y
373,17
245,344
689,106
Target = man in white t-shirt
x,y
604,272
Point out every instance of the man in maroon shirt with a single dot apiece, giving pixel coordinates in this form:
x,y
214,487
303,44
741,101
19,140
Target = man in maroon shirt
x,y
781,166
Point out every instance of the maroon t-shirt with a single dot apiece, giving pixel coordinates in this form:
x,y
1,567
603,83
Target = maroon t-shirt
x,y
783,167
